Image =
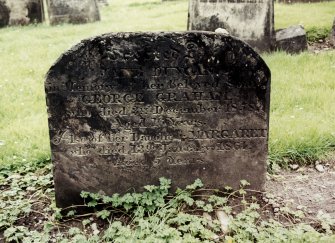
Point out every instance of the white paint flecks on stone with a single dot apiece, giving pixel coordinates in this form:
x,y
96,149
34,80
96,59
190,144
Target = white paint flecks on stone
x,y
222,31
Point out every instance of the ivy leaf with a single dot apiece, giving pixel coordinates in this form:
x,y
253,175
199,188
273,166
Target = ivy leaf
x,y
244,183
104,214
92,203
197,184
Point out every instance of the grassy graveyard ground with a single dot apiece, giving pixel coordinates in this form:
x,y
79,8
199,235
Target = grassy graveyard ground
x,y
301,125
302,131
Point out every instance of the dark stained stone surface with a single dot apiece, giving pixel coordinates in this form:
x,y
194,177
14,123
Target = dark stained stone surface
x,y
250,20
292,39
126,109
73,11
4,14
35,11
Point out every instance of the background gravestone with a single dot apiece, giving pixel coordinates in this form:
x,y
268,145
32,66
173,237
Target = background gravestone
x,y
73,11
4,14
35,11
292,39
249,20
21,12
126,109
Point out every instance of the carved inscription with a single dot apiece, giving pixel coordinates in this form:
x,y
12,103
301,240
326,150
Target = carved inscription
x,y
152,105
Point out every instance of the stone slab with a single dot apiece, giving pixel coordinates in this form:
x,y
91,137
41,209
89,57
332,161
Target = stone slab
x,y
73,11
250,20
128,108
21,12
292,39
4,14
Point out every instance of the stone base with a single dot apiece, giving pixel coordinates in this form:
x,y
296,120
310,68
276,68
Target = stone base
x,y
292,39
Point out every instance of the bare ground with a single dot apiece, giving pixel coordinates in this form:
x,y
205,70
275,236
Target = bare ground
x,y
321,45
306,189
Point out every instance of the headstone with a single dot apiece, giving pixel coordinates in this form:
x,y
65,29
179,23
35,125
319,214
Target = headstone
x,y
332,37
35,11
4,14
249,20
73,11
22,12
292,39
128,108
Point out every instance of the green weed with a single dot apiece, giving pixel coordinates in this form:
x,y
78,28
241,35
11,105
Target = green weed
x,y
316,33
28,214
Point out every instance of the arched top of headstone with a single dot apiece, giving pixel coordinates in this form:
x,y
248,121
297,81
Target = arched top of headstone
x,y
128,108
216,52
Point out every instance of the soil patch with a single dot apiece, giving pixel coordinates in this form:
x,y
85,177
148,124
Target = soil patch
x,y
305,189
321,45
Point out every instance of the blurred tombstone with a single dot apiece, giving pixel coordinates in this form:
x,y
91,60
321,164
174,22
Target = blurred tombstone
x,y
22,12
4,14
73,11
35,11
292,39
250,20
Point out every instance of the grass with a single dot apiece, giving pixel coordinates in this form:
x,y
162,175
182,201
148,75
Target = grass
x,y
302,97
302,117
309,15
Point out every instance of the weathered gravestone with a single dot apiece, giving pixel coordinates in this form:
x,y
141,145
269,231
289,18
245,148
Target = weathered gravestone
x,y
292,39
73,11
21,12
4,14
249,20
126,109
35,10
